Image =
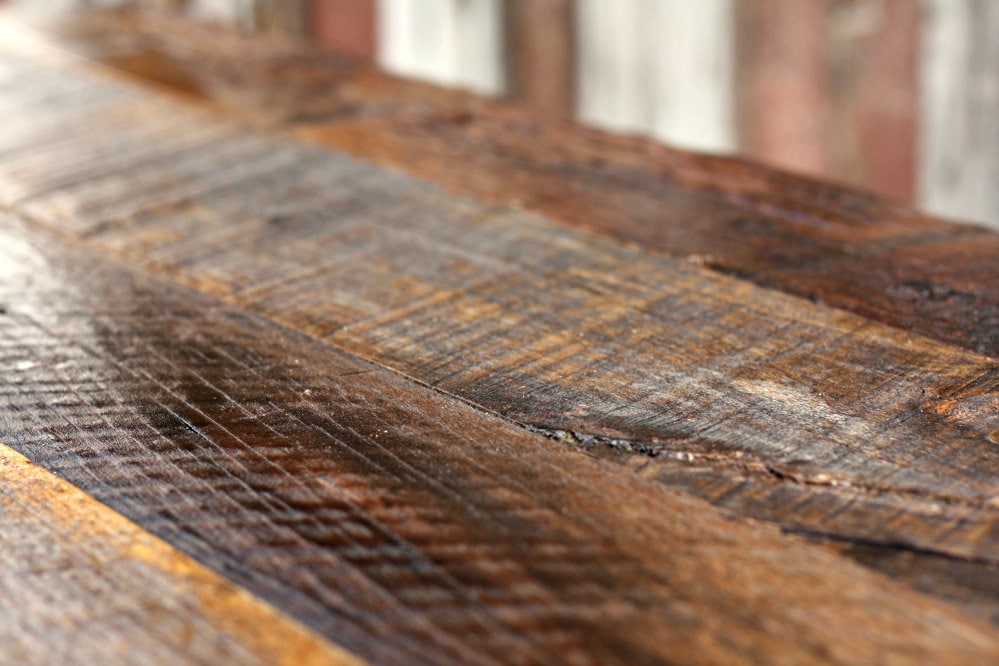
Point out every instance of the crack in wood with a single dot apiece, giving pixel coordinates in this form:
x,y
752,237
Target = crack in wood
x,y
887,544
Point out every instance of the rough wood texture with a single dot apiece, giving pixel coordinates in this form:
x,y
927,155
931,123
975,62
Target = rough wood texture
x,y
81,584
409,526
838,246
264,417
817,420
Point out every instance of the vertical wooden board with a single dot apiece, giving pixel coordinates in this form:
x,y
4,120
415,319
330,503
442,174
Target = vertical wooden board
x,y
231,13
874,90
692,64
664,68
960,109
613,74
452,42
287,18
782,81
831,89
344,26
540,51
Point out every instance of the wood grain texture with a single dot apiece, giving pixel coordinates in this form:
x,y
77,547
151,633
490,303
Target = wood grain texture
x,y
820,421
82,584
409,526
842,247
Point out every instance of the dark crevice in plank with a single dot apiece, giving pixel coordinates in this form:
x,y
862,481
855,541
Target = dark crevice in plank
x,y
887,545
747,463
969,585
650,448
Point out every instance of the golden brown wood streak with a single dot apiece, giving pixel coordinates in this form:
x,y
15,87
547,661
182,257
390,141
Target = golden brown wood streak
x,y
81,584
840,246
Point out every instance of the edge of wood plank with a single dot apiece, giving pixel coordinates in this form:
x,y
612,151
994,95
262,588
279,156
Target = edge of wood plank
x,y
198,612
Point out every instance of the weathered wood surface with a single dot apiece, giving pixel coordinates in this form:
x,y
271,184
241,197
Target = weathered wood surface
x,y
839,246
817,420
82,585
407,526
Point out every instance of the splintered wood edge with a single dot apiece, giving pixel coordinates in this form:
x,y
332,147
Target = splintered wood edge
x,y
77,532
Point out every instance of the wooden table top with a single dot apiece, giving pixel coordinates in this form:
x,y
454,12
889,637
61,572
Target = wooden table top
x,y
306,364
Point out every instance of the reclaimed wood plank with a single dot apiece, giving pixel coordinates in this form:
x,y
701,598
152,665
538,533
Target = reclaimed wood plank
x,y
836,426
82,584
842,247
406,524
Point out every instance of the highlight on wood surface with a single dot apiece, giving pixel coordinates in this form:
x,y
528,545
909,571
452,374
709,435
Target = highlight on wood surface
x,y
433,425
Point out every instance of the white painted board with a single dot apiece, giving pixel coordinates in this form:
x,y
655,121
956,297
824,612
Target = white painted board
x,y
664,68
959,132
451,42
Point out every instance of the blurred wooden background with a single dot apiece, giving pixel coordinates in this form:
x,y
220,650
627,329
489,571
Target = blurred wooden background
x,y
896,96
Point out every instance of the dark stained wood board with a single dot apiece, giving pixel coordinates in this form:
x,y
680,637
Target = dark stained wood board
x,y
764,404
405,525
833,244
